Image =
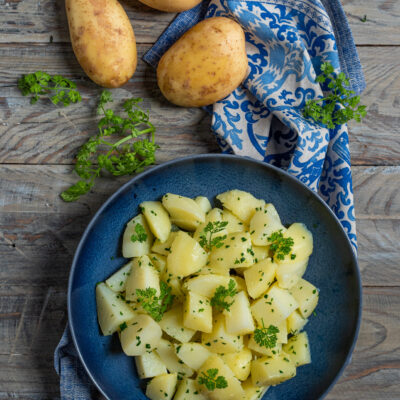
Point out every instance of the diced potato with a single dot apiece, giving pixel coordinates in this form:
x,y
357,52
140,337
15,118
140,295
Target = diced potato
x,y
242,204
259,277
206,285
274,307
117,281
149,365
184,212
214,270
298,349
219,340
295,322
192,354
136,248
142,334
159,262
253,392
175,285
172,324
112,311
289,272
233,390
264,222
234,223
197,313
143,275
203,203
266,351
268,371
260,253
303,241
187,390
164,248
166,351
215,215
157,219
306,295
239,363
238,320
162,387
236,252
240,283
282,335
186,256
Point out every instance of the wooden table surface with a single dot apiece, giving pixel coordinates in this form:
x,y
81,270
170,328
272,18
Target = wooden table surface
x,y
39,232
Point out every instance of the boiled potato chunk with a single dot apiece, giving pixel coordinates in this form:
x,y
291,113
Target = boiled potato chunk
x,y
192,354
219,340
259,277
234,223
206,285
166,351
298,349
282,335
268,371
253,392
215,215
162,387
157,218
203,203
238,320
266,351
236,252
149,365
260,253
141,335
242,204
117,281
159,262
143,275
240,283
164,248
187,390
233,391
175,284
239,363
289,272
274,307
295,322
197,313
186,256
111,310
184,212
303,241
306,295
172,324
139,247
264,222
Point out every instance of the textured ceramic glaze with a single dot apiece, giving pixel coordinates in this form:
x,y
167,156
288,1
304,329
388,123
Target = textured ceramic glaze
x,y
332,268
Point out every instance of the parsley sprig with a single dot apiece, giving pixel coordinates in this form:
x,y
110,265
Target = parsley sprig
x,y
155,305
221,293
141,235
40,84
123,157
266,337
211,380
206,238
339,106
280,246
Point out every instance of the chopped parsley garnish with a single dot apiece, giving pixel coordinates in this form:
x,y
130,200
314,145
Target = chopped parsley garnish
x,y
280,246
141,235
211,229
266,337
221,293
123,326
211,380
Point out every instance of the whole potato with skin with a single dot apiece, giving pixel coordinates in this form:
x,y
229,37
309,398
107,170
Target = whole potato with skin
x,y
103,40
171,5
206,64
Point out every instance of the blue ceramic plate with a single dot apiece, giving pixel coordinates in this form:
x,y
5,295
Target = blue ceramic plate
x,y
332,268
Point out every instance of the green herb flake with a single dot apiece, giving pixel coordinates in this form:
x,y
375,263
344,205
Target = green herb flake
x,y
211,381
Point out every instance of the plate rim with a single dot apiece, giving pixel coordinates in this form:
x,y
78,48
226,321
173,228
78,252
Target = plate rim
x,y
180,160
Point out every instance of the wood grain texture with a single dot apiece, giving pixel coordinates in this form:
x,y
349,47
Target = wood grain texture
x,y
43,134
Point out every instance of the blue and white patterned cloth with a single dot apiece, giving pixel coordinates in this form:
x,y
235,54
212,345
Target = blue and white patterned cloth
x,y
286,43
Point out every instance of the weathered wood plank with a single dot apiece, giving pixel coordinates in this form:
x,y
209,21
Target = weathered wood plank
x,y
32,320
40,134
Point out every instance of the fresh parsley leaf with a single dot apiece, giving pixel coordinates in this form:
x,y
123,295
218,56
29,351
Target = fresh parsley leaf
x,y
206,238
58,89
155,305
141,235
339,106
266,337
280,246
211,380
221,293
123,156
364,19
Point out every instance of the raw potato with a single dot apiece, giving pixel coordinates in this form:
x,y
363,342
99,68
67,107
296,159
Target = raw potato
x,y
197,313
239,363
162,387
205,65
103,40
136,249
192,354
238,320
111,310
171,5
117,281
298,349
149,365
172,324
157,219
187,390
